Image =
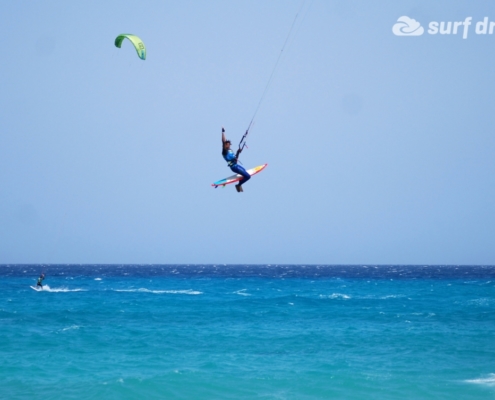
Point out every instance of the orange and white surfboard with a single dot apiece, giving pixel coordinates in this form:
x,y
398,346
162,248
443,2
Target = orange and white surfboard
x,y
237,177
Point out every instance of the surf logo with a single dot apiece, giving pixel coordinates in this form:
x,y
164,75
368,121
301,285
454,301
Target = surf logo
x,y
406,26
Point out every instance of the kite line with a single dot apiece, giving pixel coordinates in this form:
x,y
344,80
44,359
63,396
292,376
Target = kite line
x,y
242,143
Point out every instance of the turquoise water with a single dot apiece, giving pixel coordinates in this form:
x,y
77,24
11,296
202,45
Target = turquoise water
x,y
230,332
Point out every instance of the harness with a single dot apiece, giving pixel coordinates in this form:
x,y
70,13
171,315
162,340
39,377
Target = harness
x,y
229,156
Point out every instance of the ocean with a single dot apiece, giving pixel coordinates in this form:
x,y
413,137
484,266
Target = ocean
x,y
247,332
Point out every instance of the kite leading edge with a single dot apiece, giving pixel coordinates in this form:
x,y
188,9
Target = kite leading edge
x,y
136,41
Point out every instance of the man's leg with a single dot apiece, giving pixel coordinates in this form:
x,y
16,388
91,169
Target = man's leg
x,y
239,169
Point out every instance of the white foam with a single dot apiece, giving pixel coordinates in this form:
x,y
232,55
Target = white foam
x,y
483,301
71,327
47,288
97,279
335,296
392,296
242,293
144,290
189,291
487,381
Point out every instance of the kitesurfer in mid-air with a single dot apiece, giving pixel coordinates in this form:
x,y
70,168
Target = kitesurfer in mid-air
x,y
231,159
40,281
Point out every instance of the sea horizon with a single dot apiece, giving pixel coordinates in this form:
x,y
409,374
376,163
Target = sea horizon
x,y
247,331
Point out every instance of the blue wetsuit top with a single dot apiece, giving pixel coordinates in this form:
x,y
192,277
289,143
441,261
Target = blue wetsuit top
x,y
230,157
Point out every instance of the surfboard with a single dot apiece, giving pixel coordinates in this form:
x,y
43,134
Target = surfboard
x,y
237,177
38,290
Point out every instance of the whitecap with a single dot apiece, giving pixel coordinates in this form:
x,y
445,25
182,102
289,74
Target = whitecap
x,y
487,381
144,290
242,292
188,291
47,288
97,279
71,327
391,296
482,301
335,296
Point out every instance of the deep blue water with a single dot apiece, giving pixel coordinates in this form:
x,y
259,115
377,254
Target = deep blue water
x,y
244,331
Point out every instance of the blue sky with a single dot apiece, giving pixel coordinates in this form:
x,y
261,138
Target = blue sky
x,y
379,147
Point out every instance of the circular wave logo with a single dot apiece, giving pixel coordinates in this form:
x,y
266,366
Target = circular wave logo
x,y
406,26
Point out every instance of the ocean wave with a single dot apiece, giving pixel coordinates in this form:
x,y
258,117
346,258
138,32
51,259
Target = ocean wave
x,y
242,292
335,296
482,302
144,290
487,381
47,288
72,327
392,296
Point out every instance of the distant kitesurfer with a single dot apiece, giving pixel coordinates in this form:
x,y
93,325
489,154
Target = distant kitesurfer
x,y
40,281
231,159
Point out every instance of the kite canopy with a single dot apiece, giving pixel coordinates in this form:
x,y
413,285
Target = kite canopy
x,y
136,41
